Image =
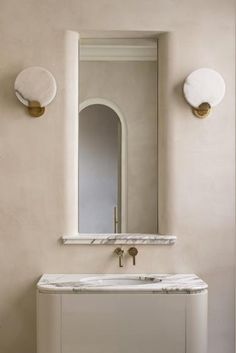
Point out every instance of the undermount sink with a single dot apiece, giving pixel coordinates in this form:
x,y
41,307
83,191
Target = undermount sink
x,y
107,281
119,281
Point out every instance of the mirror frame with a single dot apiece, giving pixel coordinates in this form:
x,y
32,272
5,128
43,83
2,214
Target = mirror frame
x,y
70,181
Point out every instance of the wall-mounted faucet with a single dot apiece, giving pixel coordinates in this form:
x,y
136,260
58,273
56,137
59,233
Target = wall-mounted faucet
x,y
133,252
120,253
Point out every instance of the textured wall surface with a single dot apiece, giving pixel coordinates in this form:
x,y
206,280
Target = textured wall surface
x,y
197,157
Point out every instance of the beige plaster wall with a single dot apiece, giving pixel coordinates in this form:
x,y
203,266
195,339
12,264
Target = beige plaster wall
x,y
124,83
197,157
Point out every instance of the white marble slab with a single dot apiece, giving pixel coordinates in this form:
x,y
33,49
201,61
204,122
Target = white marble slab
x,y
160,283
119,239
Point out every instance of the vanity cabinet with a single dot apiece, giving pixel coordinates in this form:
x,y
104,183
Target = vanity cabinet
x,y
121,322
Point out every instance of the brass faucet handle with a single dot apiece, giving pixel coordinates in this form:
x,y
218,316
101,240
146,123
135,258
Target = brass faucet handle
x,y
133,252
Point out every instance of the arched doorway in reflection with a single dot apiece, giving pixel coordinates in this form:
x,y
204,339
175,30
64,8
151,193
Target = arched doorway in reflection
x,y
100,169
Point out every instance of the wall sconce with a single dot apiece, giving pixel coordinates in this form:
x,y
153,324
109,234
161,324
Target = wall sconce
x,y
35,87
204,89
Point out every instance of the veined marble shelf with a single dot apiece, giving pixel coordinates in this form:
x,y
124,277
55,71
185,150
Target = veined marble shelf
x,y
119,239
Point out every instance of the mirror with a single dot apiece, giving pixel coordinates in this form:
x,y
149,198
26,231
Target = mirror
x,y
118,136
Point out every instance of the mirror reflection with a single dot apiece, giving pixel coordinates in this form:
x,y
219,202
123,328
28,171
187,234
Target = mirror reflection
x,y
118,136
99,170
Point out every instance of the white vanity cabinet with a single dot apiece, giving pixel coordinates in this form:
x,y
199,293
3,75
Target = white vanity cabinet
x,y
121,322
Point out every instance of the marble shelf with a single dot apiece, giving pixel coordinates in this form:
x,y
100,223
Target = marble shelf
x,y
119,239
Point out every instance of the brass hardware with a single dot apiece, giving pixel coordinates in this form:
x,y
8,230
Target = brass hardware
x,y
115,219
119,252
35,109
133,252
202,111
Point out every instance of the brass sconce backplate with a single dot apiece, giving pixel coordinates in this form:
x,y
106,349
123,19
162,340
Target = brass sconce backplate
x,y
35,110
202,111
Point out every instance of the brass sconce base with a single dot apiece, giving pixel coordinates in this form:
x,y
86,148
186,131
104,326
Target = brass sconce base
x,y
35,110
202,111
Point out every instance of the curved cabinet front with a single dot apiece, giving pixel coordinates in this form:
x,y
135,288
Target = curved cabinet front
x,y
122,322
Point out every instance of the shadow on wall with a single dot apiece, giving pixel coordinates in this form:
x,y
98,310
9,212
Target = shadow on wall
x,y
179,97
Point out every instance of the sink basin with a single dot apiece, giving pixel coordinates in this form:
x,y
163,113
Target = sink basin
x,y
118,281
106,281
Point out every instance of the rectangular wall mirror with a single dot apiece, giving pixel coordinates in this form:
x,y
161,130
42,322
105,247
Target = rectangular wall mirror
x,y
118,135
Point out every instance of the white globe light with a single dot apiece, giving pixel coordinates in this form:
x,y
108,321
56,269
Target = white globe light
x,y
204,86
35,84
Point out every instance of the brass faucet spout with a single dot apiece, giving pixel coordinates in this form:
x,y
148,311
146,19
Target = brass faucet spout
x,y
120,253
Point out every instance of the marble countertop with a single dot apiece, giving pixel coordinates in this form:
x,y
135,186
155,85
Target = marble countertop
x,y
156,283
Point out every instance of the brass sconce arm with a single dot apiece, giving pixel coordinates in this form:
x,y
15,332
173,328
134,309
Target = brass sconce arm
x,y
202,111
